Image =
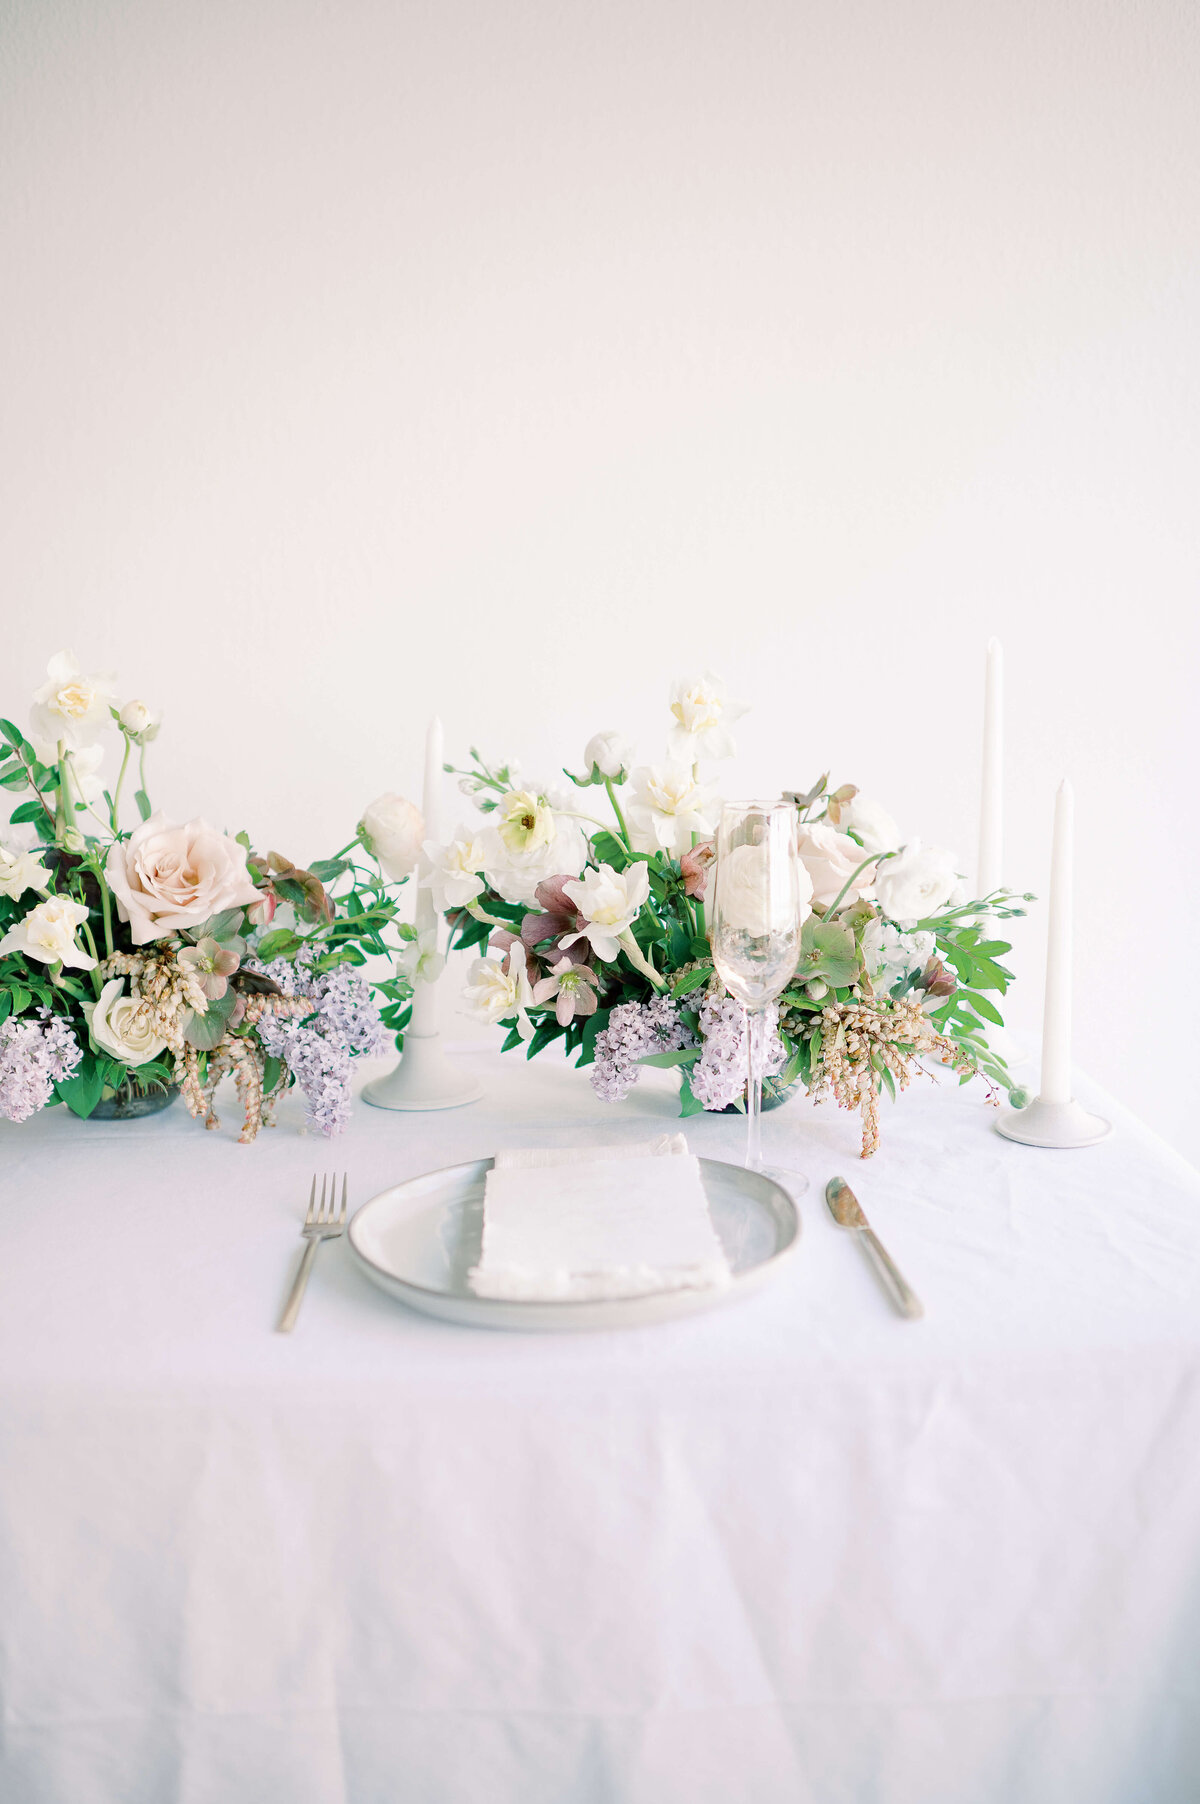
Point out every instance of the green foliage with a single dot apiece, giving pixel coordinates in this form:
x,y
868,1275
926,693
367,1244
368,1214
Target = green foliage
x,y
82,1091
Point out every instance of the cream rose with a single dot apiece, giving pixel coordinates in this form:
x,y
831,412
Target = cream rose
x,y
919,882
749,903
166,878
831,858
392,830
117,1027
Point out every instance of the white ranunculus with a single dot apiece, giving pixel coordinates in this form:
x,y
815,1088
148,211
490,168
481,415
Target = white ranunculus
x,y
890,956
48,932
872,823
666,806
515,876
609,902
166,878
493,994
118,1027
454,868
419,960
831,858
20,870
525,823
393,829
611,753
918,882
69,705
701,716
140,722
747,900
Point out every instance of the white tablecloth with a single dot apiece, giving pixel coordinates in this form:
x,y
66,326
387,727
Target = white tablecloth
x,y
796,1549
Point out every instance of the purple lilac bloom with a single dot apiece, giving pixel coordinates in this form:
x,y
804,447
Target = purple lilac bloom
x,y
634,1030
718,1077
345,1021
320,1065
347,1011
35,1054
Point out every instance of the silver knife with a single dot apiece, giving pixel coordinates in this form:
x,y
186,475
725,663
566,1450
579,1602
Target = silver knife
x,y
846,1210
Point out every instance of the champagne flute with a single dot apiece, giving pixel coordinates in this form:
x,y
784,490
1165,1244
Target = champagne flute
x,y
756,917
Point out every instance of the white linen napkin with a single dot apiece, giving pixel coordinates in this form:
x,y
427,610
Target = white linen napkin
x,y
578,1222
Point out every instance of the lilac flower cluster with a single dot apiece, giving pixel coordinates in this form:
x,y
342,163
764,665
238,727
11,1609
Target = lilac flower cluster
x,y
35,1054
718,1077
319,1064
634,1030
317,1051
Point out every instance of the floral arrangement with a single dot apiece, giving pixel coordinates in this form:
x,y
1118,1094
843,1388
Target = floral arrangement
x,y
174,954
592,930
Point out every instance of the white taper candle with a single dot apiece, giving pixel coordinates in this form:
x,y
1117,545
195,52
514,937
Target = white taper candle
x,y
1056,1017
988,873
425,918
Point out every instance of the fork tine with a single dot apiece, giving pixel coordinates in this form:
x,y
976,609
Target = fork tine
x,y
342,1216
312,1197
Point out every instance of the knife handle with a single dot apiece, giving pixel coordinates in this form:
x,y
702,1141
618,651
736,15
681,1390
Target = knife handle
x,y
899,1290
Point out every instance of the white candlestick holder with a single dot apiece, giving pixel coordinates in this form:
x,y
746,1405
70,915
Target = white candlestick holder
x,y
1053,1124
424,1079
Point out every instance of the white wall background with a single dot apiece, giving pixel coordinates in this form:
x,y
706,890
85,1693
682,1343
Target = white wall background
x,y
361,357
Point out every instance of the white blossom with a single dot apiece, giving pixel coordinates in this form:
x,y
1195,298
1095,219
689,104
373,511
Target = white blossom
x,y
609,902
666,806
48,932
702,715
68,705
493,994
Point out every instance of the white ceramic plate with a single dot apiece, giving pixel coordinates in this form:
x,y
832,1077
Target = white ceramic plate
x,y
419,1239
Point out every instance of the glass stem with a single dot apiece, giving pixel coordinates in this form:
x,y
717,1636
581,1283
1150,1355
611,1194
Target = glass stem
x,y
756,1022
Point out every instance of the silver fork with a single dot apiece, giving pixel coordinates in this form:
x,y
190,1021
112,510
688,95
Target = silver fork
x,y
319,1224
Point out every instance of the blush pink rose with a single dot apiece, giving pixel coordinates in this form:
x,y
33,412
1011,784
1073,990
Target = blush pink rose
x,y
831,858
166,878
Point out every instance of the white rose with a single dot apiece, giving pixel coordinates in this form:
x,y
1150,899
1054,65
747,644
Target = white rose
x,y
701,717
68,705
831,859
609,902
118,1027
749,902
611,753
392,830
667,806
454,869
918,882
872,822
166,878
48,932
20,870
140,722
